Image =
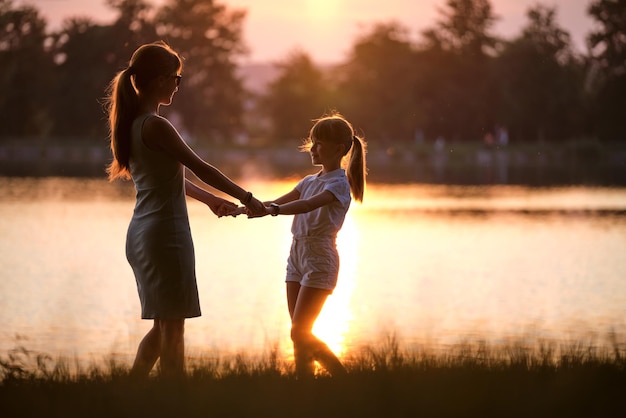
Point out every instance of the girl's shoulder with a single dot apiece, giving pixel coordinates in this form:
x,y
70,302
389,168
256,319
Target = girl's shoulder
x,y
305,182
337,176
309,178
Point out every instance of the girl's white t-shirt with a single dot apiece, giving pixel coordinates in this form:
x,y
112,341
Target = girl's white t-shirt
x,y
327,220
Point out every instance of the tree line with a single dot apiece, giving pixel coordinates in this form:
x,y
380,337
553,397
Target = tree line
x,y
457,81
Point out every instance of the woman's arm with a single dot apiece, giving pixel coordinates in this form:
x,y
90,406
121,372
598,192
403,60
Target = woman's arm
x,y
159,134
220,207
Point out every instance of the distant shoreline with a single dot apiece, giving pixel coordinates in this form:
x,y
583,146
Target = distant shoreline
x,y
532,164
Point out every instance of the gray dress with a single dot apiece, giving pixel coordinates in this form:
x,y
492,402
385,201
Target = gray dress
x,y
159,247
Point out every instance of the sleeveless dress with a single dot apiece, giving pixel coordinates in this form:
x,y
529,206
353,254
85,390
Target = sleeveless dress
x,y
159,246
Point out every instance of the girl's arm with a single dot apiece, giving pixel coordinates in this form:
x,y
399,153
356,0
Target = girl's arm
x,y
286,198
159,134
290,204
293,195
303,206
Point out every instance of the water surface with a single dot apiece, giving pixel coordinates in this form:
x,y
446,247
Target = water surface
x,y
435,265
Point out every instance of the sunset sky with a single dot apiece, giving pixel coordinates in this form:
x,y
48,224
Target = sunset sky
x,y
327,28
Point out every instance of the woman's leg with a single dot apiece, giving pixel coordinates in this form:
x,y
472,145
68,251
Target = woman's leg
x,y
305,305
147,352
172,347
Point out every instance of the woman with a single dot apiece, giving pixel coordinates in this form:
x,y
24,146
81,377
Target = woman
x,y
159,247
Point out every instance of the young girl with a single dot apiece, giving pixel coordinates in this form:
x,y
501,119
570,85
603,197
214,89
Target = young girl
x,y
159,247
320,203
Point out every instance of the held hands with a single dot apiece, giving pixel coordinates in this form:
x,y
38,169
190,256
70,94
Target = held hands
x,y
244,210
255,208
258,215
222,207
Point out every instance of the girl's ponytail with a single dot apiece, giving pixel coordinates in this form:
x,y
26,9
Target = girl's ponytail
x,y
357,168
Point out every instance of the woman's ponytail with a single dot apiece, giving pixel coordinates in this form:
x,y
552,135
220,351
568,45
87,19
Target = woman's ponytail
x,y
122,109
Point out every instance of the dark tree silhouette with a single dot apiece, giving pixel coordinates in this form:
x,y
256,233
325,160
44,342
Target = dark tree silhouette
x,y
87,57
463,96
25,72
209,36
541,81
296,97
608,75
376,84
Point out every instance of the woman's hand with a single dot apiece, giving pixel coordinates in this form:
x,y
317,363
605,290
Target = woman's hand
x,y
255,208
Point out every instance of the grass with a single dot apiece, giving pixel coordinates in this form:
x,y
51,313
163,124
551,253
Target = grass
x,y
466,380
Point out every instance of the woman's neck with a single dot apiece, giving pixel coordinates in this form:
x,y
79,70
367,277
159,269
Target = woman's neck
x,y
145,110
148,106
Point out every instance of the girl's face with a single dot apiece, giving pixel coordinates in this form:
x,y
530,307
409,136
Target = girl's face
x,y
325,153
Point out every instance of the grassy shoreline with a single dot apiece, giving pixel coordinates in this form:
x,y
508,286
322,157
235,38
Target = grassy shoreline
x,y
473,379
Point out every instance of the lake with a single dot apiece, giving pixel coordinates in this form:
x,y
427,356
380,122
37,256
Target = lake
x,y
433,265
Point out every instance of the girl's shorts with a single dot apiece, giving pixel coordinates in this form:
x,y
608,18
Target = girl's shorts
x,y
313,262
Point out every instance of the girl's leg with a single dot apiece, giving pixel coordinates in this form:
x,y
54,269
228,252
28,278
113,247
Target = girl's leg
x,y
304,311
293,288
303,358
147,352
172,347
